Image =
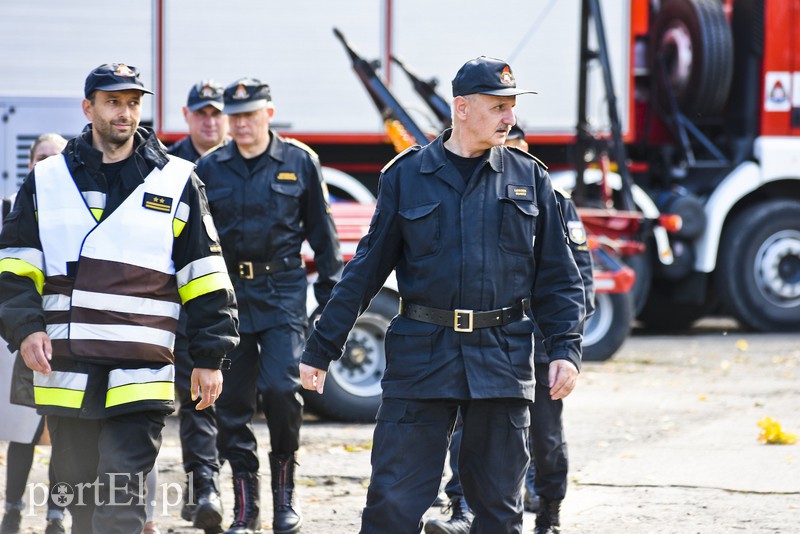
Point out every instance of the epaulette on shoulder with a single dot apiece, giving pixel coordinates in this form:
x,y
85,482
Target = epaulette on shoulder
x,y
561,192
401,155
534,158
212,150
300,144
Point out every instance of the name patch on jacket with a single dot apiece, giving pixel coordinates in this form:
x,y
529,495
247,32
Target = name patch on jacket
x,y
287,177
157,202
519,192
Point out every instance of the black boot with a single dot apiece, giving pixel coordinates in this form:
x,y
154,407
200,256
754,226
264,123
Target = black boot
x,y
285,519
207,513
11,521
547,521
459,523
188,499
247,504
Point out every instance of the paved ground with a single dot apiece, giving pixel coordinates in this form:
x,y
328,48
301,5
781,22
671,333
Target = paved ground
x,y
663,439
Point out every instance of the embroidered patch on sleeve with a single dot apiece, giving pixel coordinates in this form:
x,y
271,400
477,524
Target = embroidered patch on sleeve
x,y
157,202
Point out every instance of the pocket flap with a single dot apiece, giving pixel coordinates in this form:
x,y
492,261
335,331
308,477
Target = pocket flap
x,y
409,327
525,206
520,418
292,190
519,328
391,410
417,212
218,193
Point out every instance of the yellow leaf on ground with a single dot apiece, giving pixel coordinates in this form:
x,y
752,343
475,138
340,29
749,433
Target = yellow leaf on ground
x,y
773,434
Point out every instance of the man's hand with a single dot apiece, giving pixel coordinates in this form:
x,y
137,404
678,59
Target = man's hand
x,y
37,351
562,375
312,378
206,384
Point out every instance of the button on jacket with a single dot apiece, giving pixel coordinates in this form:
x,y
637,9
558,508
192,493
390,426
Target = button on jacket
x,y
480,244
265,216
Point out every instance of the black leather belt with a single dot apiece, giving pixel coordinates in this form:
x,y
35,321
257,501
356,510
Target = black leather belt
x,y
464,320
250,269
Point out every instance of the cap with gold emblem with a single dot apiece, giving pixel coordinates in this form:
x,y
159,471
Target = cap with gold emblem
x,y
486,76
113,77
245,95
205,93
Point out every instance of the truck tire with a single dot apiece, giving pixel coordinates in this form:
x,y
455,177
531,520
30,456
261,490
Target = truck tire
x,y
353,385
758,269
694,40
663,314
607,329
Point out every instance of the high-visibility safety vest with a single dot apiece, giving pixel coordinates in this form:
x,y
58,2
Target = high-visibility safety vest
x,y
124,303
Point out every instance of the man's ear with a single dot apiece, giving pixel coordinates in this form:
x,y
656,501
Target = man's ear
x,y
87,109
460,105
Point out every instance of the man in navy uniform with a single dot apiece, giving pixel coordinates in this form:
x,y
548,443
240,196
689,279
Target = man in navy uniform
x,y
546,479
475,235
202,505
267,196
208,125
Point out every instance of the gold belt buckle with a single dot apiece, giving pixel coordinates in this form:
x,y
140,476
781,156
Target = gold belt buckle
x,y
457,314
246,270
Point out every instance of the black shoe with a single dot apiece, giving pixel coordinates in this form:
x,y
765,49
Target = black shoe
x,y
11,522
247,504
547,520
531,502
55,526
188,500
285,519
459,522
207,512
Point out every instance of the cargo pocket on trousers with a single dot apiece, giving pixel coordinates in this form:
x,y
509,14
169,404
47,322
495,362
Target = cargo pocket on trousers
x,y
408,348
421,229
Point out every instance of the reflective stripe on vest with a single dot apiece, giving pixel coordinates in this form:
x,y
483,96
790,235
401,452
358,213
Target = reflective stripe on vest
x,y
133,385
59,388
124,302
24,261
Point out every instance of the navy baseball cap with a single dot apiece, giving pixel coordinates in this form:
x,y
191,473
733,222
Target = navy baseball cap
x,y
486,76
245,95
113,77
205,93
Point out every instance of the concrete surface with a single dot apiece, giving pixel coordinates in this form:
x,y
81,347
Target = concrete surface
x,y
663,439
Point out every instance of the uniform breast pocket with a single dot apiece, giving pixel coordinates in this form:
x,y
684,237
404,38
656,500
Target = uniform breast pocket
x,y
220,201
421,229
285,203
518,226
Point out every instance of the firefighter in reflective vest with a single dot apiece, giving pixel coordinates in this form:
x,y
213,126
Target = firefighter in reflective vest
x,y
105,243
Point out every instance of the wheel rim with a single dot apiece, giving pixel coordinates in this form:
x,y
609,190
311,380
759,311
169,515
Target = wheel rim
x,y
360,369
601,320
677,51
777,269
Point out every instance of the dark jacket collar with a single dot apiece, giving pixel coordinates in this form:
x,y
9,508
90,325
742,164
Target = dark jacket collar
x,y
276,149
434,161
146,145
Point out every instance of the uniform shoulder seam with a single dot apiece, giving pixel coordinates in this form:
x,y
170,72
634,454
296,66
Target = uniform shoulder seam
x,y
528,154
300,145
401,155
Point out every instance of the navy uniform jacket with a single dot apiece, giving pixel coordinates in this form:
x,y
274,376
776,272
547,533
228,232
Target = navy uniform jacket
x,y
266,217
576,239
481,245
184,149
